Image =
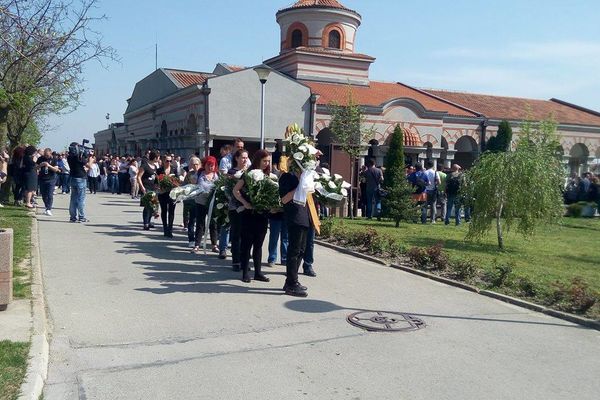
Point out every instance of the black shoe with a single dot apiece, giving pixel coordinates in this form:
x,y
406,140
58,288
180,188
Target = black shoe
x,y
236,268
261,278
151,225
246,278
72,220
222,255
302,287
168,234
310,272
146,228
296,291
84,220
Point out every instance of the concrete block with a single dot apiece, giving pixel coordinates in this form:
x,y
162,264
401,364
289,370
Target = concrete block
x,y
6,268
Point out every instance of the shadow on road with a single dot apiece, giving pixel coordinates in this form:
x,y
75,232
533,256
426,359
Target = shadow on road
x,y
319,306
175,268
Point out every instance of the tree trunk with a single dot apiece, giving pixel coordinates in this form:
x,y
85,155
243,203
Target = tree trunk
x,y
351,202
397,223
499,227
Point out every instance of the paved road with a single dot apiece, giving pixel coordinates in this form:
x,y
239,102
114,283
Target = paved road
x,y
136,316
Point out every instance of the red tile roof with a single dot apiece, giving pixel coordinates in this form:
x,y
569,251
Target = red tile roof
x,y
316,3
380,93
331,52
515,108
188,78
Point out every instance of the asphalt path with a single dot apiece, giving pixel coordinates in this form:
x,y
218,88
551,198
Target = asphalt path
x,y
136,316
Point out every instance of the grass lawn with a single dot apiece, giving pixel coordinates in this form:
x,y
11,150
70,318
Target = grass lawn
x,y
13,366
19,220
555,253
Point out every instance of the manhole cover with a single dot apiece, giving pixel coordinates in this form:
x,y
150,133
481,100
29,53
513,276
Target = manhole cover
x,y
385,321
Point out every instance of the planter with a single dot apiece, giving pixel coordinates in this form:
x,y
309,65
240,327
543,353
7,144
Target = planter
x,y
6,268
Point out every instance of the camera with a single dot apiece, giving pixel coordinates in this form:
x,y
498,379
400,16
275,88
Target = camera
x,y
81,151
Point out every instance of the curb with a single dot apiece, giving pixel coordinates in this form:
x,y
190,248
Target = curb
x,y
37,368
590,323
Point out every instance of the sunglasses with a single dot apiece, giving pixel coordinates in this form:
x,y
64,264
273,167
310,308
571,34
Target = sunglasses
x,y
167,160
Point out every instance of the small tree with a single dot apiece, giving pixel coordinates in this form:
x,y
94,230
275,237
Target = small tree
x,y
501,142
347,126
521,188
394,159
398,204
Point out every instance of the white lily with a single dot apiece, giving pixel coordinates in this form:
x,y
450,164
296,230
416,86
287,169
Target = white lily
x,y
338,176
332,184
344,192
299,156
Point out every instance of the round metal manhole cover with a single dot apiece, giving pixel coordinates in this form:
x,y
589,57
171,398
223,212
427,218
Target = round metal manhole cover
x,y
385,321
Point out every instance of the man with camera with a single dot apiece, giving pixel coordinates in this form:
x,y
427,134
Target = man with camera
x,y
78,159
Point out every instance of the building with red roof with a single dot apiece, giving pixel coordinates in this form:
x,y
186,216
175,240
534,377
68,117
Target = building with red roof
x,y
318,61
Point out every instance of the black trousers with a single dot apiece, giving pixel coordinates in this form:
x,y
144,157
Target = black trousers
x,y
235,228
167,211
296,246
93,184
200,214
253,231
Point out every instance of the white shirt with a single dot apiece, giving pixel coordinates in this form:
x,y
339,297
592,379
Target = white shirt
x,y
433,178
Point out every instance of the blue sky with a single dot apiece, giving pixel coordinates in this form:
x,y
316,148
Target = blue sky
x,y
536,49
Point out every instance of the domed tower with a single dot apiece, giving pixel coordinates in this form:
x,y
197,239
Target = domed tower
x,y
317,43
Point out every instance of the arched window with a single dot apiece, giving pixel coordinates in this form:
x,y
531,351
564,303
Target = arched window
x,y
296,38
335,39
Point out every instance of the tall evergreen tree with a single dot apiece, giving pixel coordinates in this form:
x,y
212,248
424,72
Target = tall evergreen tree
x,y
501,142
394,159
398,204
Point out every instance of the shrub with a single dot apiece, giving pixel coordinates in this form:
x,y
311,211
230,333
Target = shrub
x,y
576,297
526,286
428,258
464,270
500,274
327,227
574,210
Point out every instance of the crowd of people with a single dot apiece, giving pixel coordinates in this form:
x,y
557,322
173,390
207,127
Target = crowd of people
x,y
41,173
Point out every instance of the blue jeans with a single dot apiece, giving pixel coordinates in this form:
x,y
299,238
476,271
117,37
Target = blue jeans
x,y
113,183
223,238
147,215
77,204
431,202
372,201
64,182
309,252
277,229
453,202
47,191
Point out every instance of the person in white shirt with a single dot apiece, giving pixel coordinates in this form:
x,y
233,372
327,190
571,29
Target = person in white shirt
x,y
433,180
133,170
93,173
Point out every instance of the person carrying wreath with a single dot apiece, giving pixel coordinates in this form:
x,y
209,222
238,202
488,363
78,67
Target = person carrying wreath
x,y
253,223
202,202
146,179
167,205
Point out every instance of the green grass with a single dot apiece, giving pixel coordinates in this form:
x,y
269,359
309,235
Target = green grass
x,y
555,253
13,366
560,252
19,220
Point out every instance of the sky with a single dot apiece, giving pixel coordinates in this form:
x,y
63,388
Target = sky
x,y
534,49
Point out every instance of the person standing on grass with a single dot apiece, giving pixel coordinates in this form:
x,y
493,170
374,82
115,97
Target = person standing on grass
x,y
373,177
30,178
3,169
433,181
453,183
47,170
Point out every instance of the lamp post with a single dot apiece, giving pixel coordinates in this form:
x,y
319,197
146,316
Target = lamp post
x,y
263,73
